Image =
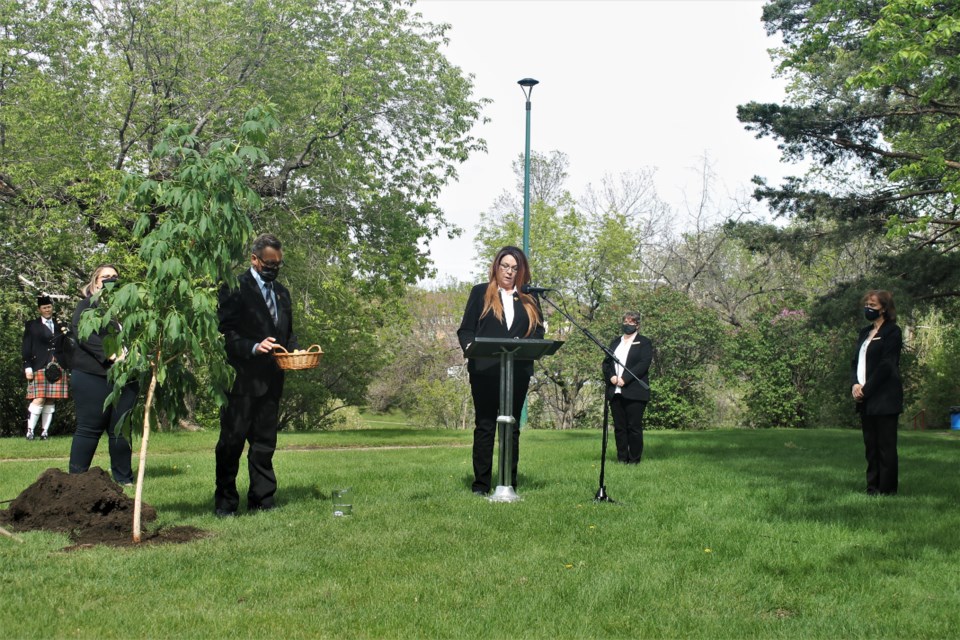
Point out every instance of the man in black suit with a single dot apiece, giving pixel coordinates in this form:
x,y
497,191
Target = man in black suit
x,y
628,395
254,317
38,348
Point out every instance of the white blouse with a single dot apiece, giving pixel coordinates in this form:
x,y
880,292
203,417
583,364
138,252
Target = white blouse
x,y
862,362
622,350
506,299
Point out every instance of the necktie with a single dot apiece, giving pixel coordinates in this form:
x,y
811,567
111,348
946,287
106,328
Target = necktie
x,y
49,324
268,297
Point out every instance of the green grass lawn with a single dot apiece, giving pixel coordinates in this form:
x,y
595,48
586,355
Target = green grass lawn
x,y
717,534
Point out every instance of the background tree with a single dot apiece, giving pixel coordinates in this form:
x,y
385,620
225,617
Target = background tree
x,y
585,256
373,122
874,103
936,384
782,360
687,340
426,375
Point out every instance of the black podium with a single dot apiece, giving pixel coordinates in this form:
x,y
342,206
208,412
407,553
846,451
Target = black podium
x,y
508,350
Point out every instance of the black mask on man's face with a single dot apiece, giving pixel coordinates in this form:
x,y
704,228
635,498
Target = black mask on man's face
x,y
871,314
629,329
269,273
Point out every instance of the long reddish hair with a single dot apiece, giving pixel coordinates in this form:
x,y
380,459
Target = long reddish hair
x,y
491,299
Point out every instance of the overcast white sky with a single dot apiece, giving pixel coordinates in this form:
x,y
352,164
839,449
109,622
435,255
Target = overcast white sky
x,y
624,84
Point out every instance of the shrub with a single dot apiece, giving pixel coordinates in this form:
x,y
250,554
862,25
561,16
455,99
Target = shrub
x,y
687,339
782,360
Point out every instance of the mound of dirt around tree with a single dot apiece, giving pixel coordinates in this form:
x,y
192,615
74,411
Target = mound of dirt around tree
x,y
90,507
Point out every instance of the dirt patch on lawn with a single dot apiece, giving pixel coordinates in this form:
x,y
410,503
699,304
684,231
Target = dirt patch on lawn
x,y
90,507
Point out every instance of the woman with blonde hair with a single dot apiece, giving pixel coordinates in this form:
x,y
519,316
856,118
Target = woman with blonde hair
x,y
498,309
90,387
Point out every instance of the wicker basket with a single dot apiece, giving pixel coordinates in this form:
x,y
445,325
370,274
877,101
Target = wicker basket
x,y
298,360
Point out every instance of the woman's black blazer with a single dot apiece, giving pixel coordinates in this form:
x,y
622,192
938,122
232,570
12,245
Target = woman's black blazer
x,y
473,326
883,389
89,355
638,361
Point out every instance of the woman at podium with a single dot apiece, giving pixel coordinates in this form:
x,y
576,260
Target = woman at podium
x,y
498,309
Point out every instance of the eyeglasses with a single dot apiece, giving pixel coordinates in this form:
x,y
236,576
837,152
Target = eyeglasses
x,y
508,268
269,265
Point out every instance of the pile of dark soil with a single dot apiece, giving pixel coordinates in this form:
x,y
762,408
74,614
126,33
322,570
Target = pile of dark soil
x,y
90,507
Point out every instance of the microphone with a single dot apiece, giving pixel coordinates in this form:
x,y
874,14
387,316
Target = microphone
x,y
531,289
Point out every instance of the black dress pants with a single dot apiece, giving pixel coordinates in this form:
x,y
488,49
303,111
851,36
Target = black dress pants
x,y
90,392
254,420
486,404
880,442
628,427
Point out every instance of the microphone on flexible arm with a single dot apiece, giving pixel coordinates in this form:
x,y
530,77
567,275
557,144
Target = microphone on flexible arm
x,y
534,290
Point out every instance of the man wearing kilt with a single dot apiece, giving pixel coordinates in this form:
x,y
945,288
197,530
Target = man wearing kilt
x,y
38,346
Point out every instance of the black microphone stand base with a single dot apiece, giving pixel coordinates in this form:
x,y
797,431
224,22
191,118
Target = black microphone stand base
x,y
602,496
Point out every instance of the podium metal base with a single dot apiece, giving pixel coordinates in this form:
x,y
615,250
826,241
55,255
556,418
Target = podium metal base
x,y
504,494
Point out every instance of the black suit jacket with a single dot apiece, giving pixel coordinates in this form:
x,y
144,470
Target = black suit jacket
x,y
638,361
473,326
883,389
38,343
88,356
245,321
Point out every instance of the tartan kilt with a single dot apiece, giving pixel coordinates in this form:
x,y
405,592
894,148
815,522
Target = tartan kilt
x,y
40,388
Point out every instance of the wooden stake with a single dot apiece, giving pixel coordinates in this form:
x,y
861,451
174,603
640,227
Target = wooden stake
x,y
10,535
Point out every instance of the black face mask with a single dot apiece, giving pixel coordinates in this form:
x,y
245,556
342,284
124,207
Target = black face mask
x,y
269,274
107,281
871,314
629,329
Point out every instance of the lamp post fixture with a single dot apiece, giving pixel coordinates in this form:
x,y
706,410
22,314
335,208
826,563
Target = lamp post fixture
x,y
527,85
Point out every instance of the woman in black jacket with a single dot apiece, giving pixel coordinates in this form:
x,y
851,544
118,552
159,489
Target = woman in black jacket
x,y
90,387
878,390
627,395
498,309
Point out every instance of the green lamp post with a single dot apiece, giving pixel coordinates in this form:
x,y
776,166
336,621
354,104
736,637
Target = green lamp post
x,y
527,85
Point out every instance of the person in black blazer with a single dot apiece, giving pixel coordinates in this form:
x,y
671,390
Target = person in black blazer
x,y
627,396
254,317
38,351
90,386
878,389
498,309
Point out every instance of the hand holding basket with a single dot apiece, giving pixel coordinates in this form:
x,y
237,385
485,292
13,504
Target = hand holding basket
x,y
298,359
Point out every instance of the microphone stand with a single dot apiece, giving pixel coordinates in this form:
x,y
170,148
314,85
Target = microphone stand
x,y
601,495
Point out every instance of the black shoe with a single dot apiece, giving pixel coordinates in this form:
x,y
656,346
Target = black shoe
x,y
29,435
225,513
261,507
43,436
478,492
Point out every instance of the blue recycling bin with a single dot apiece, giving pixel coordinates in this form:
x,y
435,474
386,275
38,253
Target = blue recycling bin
x,y
955,418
